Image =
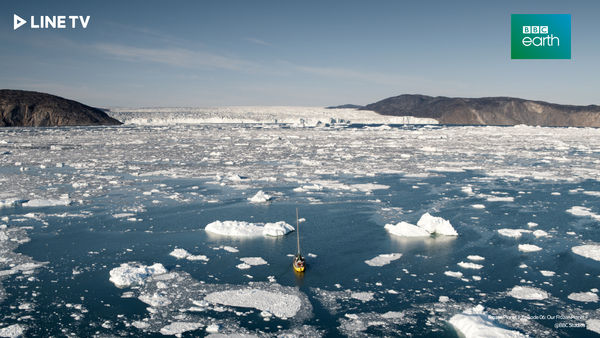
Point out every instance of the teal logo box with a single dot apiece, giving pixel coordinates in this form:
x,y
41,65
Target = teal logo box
x,y
540,36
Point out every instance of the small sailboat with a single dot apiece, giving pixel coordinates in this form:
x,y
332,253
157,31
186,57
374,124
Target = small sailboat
x,y
299,264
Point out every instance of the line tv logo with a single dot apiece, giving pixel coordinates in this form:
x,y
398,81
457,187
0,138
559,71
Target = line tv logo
x,y
540,36
52,22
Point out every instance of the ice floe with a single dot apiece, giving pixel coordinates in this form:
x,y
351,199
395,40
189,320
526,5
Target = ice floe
x,y
529,248
184,254
591,251
583,212
475,322
13,331
280,304
527,293
514,233
469,265
455,274
383,259
426,226
260,197
177,328
246,229
128,274
586,297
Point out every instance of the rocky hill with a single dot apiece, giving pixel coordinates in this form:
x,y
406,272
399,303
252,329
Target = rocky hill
x,y
488,111
19,108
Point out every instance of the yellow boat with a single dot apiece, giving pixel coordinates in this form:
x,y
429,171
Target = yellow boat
x,y
299,264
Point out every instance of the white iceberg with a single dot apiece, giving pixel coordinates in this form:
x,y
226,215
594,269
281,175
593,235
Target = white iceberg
x,y
528,293
469,265
475,323
586,297
129,274
383,259
246,229
436,225
279,304
428,225
529,248
591,251
260,197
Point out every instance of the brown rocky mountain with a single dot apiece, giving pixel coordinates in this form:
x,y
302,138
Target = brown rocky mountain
x,y
19,108
488,111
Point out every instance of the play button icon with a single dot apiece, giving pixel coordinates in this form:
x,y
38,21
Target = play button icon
x,y
18,22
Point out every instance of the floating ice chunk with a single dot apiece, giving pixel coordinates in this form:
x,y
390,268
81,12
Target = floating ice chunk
x,y
154,300
177,328
592,193
528,293
38,203
10,202
478,206
475,258
260,197
123,215
129,274
230,249
243,266
469,265
500,199
475,322
583,212
182,253
540,233
12,331
246,229
514,233
443,299
587,297
278,303
436,225
547,273
277,229
179,253
591,251
529,248
383,259
593,325
455,274
532,224
405,229
362,296
213,328
253,261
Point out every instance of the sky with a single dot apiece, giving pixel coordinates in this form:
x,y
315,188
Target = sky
x,y
309,53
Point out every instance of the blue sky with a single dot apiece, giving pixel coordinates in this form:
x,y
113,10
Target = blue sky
x,y
222,52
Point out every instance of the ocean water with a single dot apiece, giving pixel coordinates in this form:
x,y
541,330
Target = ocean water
x,y
100,197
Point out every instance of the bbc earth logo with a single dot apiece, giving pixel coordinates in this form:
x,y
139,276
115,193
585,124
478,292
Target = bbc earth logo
x,y
540,36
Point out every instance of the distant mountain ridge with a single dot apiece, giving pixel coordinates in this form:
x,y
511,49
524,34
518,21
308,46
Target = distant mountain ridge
x,y
488,111
20,108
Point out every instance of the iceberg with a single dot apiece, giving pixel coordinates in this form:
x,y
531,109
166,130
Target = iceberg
x,y
428,225
591,251
527,293
132,273
246,229
475,322
260,197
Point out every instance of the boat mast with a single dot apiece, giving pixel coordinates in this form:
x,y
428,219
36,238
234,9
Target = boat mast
x,y
298,231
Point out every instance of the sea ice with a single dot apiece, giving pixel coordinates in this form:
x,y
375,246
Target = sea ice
x,y
182,253
514,233
469,265
405,229
38,203
253,261
529,248
426,226
547,273
583,212
455,274
260,197
475,258
383,259
475,323
436,225
12,331
279,304
528,293
177,328
246,229
587,297
591,251
593,325
132,273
